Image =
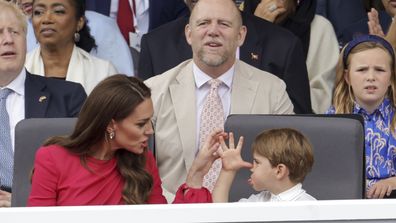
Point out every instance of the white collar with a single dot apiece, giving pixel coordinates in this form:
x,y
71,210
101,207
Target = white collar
x,y
288,195
201,78
18,84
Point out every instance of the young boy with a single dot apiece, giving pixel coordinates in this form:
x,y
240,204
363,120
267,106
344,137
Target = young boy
x,y
281,160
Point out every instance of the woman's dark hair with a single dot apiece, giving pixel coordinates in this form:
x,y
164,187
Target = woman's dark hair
x,y
114,98
87,42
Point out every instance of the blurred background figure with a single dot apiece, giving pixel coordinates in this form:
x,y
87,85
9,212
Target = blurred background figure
x,y
65,40
25,95
110,43
378,10
317,35
137,17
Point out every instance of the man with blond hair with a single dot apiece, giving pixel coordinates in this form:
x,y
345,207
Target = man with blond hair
x,y
180,95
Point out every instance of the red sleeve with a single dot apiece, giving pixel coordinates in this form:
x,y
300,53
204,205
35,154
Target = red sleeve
x,y
201,195
156,196
44,180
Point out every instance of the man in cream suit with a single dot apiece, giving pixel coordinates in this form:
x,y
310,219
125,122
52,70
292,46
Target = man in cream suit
x,y
215,32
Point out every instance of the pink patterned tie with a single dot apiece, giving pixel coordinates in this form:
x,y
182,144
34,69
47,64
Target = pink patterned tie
x,y
212,118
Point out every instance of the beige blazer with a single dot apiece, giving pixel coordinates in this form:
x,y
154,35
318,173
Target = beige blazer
x,y
83,68
321,62
173,94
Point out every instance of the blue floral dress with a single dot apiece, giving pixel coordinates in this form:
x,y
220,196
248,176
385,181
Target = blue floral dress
x,y
379,142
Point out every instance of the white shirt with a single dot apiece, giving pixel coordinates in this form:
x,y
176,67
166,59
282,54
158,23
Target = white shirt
x,y
202,90
140,17
295,193
15,104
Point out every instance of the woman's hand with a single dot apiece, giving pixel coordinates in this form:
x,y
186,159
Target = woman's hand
x,y
382,188
270,9
374,24
231,156
204,160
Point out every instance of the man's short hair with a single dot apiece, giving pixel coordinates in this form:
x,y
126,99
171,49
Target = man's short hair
x,y
17,12
286,146
236,8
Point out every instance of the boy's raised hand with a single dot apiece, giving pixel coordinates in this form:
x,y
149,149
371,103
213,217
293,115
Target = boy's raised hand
x,y
231,156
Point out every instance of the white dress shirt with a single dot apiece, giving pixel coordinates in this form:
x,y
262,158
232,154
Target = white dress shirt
x,y
140,17
15,104
295,193
202,90
83,67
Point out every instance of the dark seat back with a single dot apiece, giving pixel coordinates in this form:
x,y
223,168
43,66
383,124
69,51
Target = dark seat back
x,y
338,142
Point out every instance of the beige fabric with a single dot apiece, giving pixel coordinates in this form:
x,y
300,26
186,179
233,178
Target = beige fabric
x,y
212,118
321,63
83,68
173,94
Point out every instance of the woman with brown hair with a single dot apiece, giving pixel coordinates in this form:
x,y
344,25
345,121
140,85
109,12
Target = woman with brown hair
x,y
105,160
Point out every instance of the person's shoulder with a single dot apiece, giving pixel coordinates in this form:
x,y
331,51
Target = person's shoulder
x,y
168,77
168,30
265,28
98,63
320,23
263,196
97,18
256,74
54,83
306,197
52,151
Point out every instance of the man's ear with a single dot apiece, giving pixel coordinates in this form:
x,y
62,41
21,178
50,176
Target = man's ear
x,y
187,33
242,35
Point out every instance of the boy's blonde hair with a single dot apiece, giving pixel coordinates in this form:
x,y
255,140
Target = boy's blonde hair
x,y
286,146
343,96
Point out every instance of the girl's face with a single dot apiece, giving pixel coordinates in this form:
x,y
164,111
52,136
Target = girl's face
x,y
369,75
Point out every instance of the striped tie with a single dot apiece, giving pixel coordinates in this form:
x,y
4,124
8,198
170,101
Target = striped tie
x,y
6,152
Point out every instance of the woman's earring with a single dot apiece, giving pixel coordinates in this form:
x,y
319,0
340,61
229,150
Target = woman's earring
x,y
112,135
76,37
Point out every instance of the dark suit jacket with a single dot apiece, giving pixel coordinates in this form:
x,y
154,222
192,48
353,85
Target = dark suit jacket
x,y
52,98
267,47
160,11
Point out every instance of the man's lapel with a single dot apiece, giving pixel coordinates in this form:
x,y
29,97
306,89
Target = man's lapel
x,y
36,97
243,92
183,97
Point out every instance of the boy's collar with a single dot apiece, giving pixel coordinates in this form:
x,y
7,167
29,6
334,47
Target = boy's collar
x,y
288,195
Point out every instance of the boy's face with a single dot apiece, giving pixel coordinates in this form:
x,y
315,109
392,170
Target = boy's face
x,y
263,174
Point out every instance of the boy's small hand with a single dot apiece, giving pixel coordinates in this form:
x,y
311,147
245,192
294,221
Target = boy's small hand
x,y
231,156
